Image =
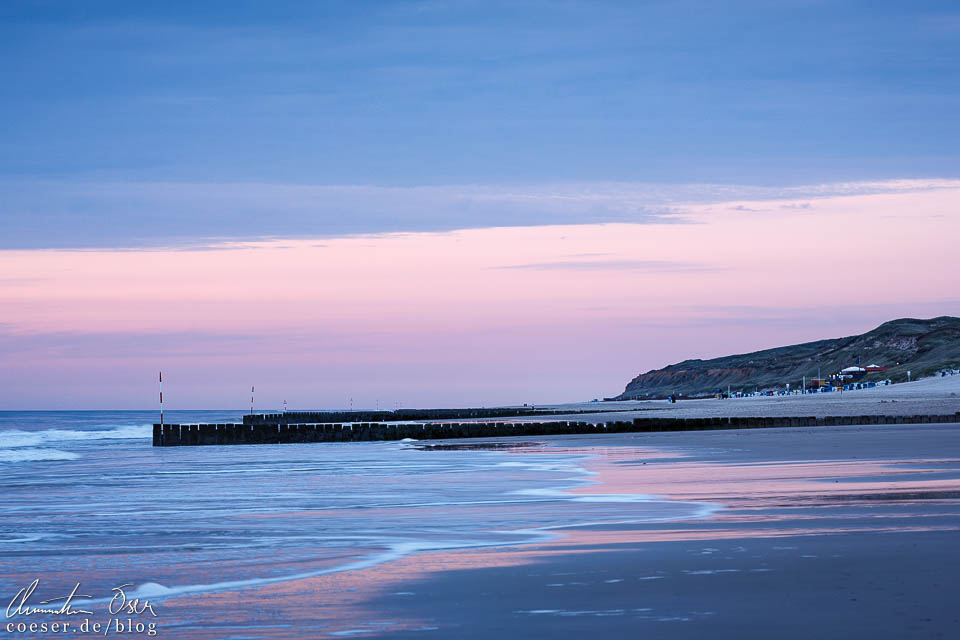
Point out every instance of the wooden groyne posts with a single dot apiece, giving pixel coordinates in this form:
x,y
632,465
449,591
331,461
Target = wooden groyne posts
x,y
411,415
175,435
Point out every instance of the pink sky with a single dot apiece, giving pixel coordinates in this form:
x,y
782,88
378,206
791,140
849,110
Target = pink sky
x,y
478,317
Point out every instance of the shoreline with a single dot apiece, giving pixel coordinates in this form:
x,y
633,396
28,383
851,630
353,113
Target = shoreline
x,y
572,492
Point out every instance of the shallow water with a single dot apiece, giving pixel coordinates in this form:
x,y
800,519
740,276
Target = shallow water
x,y
87,499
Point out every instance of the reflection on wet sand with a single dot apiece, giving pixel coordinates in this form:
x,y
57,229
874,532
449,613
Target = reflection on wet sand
x,y
766,499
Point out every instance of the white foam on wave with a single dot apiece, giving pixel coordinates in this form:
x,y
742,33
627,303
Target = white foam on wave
x,y
17,438
543,465
695,510
149,590
35,455
14,538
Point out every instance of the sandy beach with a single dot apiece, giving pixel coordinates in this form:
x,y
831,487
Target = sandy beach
x,y
935,395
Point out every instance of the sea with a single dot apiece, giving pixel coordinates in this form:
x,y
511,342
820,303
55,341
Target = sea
x,y
88,500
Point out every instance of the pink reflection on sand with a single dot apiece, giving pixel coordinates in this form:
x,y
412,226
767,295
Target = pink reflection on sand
x,y
764,484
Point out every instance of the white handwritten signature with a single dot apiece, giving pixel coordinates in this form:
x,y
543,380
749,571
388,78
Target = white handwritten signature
x,y
119,603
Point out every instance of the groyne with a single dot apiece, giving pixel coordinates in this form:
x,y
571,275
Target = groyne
x,y
174,435
411,415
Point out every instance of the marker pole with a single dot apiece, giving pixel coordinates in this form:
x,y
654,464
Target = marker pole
x,y
251,400
161,398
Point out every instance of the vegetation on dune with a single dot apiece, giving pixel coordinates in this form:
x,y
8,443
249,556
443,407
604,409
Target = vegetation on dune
x,y
921,347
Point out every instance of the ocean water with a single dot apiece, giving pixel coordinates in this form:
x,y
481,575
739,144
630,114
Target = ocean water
x,y
87,499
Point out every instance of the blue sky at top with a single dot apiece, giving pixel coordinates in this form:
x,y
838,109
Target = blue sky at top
x,y
128,122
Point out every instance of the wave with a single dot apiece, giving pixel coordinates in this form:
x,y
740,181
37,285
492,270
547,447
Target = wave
x,y
35,455
17,438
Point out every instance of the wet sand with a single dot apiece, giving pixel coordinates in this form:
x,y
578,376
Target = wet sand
x,y
826,532
873,586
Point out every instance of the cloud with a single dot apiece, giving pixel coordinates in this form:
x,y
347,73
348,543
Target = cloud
x,y
166,345
652,266
867,315
54,214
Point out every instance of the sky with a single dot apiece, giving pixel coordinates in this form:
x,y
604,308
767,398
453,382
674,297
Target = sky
x,y
442,203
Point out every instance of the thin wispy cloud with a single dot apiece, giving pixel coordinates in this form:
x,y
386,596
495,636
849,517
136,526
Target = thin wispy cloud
x,y
40,214
649,266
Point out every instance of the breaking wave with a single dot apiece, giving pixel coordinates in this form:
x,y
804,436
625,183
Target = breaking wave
x,y
35,455
17,438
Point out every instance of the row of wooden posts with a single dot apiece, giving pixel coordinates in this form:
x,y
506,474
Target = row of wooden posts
x,y
173,435
415,415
